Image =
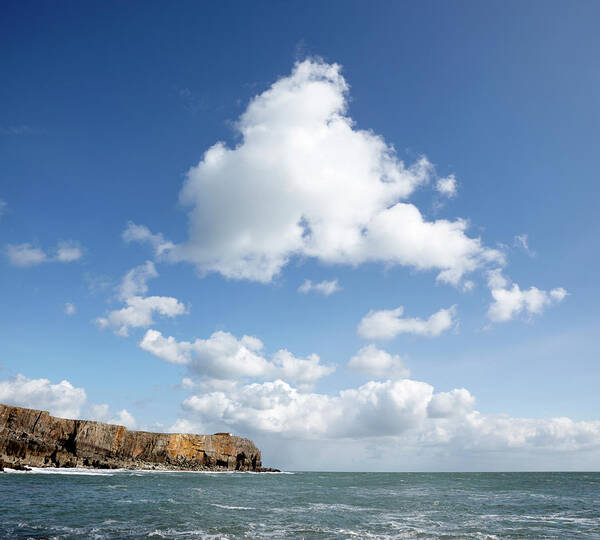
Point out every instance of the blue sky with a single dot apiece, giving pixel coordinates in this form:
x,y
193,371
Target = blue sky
x,y
376,146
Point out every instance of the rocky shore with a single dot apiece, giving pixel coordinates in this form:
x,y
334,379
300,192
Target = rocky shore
x,y
33,438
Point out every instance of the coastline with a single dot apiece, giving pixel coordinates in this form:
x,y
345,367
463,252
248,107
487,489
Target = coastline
x,y
34,438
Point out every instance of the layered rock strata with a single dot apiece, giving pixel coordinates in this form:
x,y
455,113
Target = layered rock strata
x,y
29,437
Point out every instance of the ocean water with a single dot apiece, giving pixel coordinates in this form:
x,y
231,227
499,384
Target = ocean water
x,y
51,503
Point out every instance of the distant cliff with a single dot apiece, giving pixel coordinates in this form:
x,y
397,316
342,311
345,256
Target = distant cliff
x,y
29,437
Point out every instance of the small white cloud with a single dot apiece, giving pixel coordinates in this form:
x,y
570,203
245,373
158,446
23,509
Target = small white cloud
x,y
521,241
183,425
378,363
446,186
25,255
139,310
70,308
135,282
101,413
468,285
3,207
187,383
141,233
61,399
323,287
68,252
223,356
558,294
388,323
510,302
125,418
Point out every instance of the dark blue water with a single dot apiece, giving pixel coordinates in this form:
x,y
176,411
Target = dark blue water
x,y
133,504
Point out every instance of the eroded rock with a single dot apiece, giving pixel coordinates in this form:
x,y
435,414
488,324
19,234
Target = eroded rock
x,y
35,438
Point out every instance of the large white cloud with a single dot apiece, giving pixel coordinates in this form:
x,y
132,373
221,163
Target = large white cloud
x,y
388,323
223,356
510,302
304,181
403,412
28,255
374,409
139,310
60,399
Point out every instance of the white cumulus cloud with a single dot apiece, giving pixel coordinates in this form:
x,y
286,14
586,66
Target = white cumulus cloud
x,y
70,308
402,413
378,363
324,287
376,408
319,187
223,356
139,310
388,323
446,186
60,399
508,303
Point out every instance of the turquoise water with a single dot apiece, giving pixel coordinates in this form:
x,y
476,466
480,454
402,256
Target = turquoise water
x,y
138,504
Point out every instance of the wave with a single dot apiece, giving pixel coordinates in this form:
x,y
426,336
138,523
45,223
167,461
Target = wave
x,y
232,507
130,472
54,470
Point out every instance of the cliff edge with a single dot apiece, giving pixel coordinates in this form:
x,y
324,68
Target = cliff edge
x,y
29,437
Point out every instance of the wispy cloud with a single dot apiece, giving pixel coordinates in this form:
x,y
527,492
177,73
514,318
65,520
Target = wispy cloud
x,y
26,254
522,241
324,287
22,129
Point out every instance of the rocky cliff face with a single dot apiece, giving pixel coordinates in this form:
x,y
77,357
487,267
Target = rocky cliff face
x,y
34,438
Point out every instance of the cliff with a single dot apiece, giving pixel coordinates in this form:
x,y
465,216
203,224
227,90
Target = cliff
x,y
34,438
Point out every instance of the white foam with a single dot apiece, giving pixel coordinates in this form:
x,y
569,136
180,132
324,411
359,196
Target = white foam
x,y
233,507
73,471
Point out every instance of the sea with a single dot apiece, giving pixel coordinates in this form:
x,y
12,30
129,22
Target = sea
x,y
88,504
